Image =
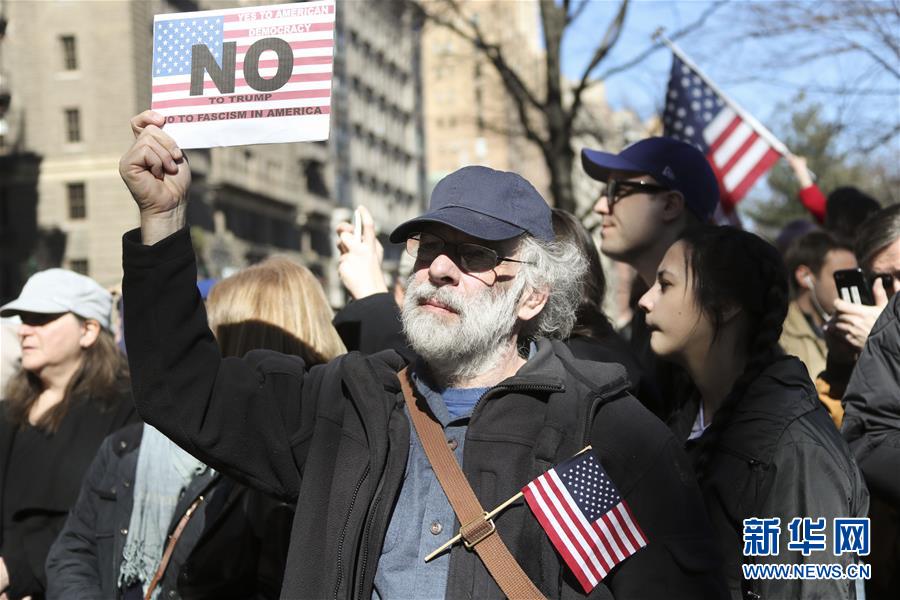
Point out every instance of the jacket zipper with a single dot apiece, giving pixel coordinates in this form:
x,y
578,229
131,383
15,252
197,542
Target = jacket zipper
x,y
364,560
340,576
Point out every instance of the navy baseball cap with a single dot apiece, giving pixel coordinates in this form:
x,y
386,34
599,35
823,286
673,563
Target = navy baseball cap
x,y
486,204
674,164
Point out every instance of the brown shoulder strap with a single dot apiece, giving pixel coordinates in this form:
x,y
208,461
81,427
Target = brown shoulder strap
x,y
476,531
170,547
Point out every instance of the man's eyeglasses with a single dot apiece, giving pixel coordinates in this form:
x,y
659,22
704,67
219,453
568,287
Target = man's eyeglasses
x,y
471,257
616,190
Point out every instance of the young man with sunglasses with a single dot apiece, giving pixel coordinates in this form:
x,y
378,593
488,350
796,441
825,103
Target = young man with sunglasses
x,y
490,287
654,189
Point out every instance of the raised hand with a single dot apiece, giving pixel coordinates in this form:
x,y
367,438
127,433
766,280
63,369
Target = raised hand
x,y
853,322
801,172
359,265
157,175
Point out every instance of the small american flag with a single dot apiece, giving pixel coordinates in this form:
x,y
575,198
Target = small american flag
x,y
308,28
696,114
581,511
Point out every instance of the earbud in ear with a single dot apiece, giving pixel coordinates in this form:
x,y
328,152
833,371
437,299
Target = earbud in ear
x,y
809,282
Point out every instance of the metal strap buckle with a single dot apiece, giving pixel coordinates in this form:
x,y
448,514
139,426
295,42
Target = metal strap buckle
x,y
477,529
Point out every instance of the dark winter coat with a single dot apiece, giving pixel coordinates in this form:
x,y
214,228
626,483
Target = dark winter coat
x,y
232,547
37,503
779,455
872,400
334,439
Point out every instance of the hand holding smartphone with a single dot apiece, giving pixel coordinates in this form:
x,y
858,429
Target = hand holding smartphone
x,y
853,287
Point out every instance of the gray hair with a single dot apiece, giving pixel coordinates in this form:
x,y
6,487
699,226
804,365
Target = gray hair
x,y
560,266
877,232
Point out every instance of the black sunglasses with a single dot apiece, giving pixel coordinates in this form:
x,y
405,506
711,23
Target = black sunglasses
x,y
471,257
616,190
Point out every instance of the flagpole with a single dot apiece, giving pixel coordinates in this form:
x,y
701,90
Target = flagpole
x,y
754,123
487,517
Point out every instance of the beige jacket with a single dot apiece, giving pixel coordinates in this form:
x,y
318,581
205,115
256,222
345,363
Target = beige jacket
x,y
799,339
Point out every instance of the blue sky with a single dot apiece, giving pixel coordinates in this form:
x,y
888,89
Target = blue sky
x,y
753,73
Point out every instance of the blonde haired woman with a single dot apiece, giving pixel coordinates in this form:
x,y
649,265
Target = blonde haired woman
x,y
276,304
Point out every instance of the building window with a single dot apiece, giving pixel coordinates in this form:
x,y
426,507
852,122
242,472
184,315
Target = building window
x,y
77,201
70,61
79,265
315,179
73,125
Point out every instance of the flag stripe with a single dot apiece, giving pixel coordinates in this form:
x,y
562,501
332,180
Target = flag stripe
x,y
238,83
613,539
298,45
732,144
742,167
726,133
739,154
629,520
724,120
201,100
768,159
587,529
614,519
551,527
311,10
239,33
586,534
326,109
583,553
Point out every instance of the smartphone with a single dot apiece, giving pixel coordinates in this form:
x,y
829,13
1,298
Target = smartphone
x,y
853,287
357,225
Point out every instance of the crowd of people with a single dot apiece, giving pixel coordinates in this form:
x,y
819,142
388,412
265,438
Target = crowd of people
x,y
250,443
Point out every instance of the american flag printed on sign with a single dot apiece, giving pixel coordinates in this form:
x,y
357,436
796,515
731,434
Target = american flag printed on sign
x,y
306,28
696,114
587,520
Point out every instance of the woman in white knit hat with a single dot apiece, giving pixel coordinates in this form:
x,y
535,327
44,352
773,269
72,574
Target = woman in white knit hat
x,y
71,392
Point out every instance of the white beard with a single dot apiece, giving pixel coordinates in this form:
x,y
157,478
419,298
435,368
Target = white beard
x,y
472,342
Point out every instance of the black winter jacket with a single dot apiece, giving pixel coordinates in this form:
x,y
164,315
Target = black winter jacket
x,y
232,547
335,440
779,455
54,479
872,400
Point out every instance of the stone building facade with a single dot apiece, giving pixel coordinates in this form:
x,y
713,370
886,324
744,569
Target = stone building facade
x,y
78,70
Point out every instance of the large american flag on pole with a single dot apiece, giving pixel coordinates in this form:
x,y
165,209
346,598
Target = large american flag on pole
x,y
738,148
587,520
302,71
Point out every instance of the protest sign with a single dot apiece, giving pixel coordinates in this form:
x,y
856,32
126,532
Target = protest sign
x,y
251,75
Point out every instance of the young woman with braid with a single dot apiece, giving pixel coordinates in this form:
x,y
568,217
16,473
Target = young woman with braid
x,y
761,443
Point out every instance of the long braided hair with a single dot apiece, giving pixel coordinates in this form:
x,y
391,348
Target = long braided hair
x,y
733,268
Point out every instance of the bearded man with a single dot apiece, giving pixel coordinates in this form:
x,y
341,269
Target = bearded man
x,y
490,288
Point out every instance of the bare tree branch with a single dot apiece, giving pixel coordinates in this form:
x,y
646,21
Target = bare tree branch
x,y
475,37
640,57
572,16
610,37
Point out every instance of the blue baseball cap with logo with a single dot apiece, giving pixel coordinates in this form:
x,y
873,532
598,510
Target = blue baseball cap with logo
x,y
486,204
672,163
